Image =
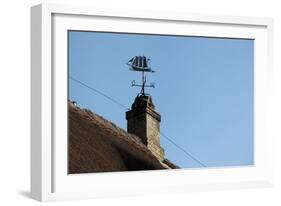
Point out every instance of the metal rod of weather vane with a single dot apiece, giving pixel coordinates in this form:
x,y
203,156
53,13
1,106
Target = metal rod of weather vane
x,y
143,83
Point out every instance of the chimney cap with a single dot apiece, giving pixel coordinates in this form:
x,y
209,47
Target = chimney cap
x,y
143,101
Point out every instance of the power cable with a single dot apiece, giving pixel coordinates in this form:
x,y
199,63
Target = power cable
x,y
99,92
123,106
182,149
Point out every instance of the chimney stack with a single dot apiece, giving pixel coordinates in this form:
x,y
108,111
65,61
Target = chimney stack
x,y
144,121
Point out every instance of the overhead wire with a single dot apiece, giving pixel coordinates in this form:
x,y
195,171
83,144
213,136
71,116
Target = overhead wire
x,y
126,108
99,92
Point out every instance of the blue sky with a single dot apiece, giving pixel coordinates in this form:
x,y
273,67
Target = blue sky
x,y
204,90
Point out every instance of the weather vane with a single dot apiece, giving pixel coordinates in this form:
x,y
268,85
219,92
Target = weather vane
x,y
141,64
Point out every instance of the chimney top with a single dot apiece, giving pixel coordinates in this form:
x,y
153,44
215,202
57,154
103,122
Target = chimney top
x,y
142,101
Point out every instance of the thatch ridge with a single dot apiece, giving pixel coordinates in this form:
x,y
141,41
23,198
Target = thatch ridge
x,y
98,145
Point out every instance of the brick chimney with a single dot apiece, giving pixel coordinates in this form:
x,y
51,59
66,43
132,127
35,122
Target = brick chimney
x,y
144,121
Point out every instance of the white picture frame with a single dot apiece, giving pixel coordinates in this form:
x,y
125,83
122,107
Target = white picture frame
x,y
49,178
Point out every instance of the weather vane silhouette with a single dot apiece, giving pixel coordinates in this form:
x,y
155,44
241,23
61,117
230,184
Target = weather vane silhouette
x,y
141,64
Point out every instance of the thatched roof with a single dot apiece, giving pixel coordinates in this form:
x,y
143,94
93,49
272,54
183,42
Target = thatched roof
x,y
98,145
